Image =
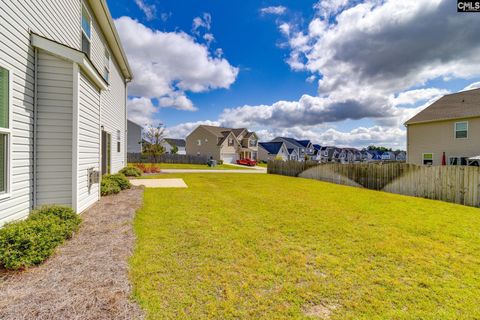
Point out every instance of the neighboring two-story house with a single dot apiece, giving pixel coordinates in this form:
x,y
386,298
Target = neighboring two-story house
x,y
134,137
63,90
302,148
226,144
449,126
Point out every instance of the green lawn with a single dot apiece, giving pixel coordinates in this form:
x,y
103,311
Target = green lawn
x,y
261,164
198,166
270,247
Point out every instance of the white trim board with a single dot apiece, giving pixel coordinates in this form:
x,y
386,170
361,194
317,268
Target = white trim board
x,y
70,54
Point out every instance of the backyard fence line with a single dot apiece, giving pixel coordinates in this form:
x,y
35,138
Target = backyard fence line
x,y
291,168
456,184
166,158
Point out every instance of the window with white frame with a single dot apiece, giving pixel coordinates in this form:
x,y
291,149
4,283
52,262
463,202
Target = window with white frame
x,y
5,130
86,30
428,158
457,161
119,137
461,130
106,72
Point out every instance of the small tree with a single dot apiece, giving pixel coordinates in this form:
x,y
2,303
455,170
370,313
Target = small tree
x,y
153,137
174,150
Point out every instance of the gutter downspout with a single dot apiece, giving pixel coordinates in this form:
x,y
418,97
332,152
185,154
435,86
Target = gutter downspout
x,y
35,121
125,145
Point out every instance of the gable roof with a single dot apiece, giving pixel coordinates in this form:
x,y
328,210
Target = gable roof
x,y
459,105
271,147
237,132
289,141
317,146
176,142
304,143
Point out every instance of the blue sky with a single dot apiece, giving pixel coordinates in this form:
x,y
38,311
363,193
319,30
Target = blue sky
x,y
270,48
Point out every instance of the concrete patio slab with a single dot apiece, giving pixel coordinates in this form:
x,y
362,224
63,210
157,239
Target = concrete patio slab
x,y
159,183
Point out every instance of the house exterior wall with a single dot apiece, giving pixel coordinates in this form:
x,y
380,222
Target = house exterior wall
x,y
88,143
113,116
60,21
54,130
207,148
439,137
134,138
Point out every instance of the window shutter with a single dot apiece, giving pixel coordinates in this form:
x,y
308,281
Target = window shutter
x,y
3,162
4,98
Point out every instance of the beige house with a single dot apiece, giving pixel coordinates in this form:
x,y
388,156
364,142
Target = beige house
x,y
450,126
225,144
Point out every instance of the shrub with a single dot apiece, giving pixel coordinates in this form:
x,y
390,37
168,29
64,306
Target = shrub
x,y
68,218
31,241
109,187
131,172
148,168
220,162
120,180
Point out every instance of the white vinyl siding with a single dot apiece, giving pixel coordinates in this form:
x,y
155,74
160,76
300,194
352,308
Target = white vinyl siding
x,y
88,141
113,116
60,21
54,130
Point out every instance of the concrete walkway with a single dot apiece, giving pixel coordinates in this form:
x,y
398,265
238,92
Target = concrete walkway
x,y
240,166
212,171
159,183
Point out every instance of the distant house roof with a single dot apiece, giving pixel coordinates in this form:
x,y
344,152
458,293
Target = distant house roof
x,y
290,142
291,150
134,123
304,143
459,105
271,147
176,142
317,146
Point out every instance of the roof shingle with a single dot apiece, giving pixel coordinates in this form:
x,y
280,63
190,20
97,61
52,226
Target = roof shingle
x,y
459,105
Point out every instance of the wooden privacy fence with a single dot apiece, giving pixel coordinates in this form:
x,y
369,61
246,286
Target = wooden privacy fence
x,y
290,168
457,184
166,158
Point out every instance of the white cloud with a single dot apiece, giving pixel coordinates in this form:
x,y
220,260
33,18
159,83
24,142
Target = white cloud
x,y
204,22
141,111
150,10
167,65
471,86
275,10
372,60
181,131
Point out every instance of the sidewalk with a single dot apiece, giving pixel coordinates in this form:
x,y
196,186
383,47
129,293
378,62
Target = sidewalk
x,y
254,171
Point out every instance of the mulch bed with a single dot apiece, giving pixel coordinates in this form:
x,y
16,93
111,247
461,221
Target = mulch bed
x,y
87,278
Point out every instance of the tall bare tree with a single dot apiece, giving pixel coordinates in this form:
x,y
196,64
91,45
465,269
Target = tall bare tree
x,y
153,137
